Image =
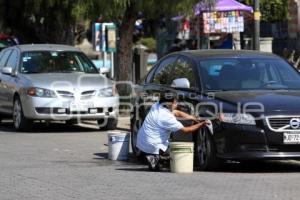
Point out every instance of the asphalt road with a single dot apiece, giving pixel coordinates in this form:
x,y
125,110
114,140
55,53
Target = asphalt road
x,y
60,162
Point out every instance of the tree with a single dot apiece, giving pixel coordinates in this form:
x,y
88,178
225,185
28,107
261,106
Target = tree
x,y
127,13
271,10
55,20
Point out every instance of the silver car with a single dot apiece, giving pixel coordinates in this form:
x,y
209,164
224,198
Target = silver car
x,y
54,82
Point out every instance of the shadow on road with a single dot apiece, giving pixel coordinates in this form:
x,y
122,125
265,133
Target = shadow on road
x,y
55,127
101,156
289,166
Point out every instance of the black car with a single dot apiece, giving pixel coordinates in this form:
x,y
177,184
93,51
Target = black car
x,y
252,99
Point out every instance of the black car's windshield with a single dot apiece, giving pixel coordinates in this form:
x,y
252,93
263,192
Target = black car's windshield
x,y
55,62
248,74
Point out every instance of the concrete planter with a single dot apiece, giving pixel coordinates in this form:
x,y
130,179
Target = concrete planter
x,y
266,44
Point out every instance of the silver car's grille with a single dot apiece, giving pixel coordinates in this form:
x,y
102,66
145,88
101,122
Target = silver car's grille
x,y
66,94
87,94
83,95
281,123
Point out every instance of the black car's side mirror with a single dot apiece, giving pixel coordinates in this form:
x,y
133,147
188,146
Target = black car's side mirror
x,y
181,83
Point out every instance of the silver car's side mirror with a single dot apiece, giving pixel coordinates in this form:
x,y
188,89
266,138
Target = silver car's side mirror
x,y
7,70
181,83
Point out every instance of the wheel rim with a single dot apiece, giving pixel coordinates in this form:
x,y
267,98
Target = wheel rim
x,y
202,147
17,114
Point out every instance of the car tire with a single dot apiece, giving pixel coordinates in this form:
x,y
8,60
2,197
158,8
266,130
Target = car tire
x,y
205,151
21,123
111,124
134,127
72,122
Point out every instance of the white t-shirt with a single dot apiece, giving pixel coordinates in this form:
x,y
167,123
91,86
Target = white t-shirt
x,y
156,129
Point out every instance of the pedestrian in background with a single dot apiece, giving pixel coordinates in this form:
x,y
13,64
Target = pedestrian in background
x,y
176,46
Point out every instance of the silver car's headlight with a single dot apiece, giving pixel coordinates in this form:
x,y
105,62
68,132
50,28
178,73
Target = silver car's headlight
x,y
237,118
106,92
41,92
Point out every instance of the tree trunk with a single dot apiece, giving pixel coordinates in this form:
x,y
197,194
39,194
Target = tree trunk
x,y
124,51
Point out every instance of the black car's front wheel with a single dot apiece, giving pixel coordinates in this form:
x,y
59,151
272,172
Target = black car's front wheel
x,y
205,151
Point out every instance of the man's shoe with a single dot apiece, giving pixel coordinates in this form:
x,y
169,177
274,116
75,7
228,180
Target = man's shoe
x,y
152,162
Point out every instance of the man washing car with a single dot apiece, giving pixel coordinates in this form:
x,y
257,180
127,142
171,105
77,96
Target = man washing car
x,y
153,136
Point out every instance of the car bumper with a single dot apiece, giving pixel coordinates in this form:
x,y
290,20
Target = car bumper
x,y
65,109
238,142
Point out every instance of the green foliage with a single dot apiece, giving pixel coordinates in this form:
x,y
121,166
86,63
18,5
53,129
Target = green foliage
x,y
274,10
173,70
152,8
271,10
149,42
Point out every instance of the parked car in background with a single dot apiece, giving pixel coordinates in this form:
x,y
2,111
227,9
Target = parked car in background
x,y
6,41
54,82
252,99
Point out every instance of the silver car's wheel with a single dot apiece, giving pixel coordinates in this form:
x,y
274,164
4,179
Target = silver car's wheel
x,y
17,114
19,120
108,124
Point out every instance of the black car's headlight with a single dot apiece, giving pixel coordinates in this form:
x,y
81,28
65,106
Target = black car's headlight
x,y
41,92
237,118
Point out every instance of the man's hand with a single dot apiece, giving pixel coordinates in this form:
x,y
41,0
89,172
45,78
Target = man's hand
x,y
193,128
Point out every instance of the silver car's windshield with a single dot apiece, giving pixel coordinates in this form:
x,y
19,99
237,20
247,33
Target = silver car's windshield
x,y
55,62
248,74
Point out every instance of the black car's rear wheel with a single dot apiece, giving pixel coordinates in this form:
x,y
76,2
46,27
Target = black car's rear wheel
x,y
21,123
108,124
205,151
135,126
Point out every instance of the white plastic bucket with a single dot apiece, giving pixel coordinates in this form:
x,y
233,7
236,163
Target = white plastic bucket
x,y
182,157
118,146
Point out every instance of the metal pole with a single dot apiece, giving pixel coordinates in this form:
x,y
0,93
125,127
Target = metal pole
x,y
198,31
208,41
256,43
112,65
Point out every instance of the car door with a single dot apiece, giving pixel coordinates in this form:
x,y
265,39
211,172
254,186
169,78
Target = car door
x,y
3,60
9,82
157,81
148,94
187,97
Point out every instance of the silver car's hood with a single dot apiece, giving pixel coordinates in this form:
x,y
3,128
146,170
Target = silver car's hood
x,y
68,81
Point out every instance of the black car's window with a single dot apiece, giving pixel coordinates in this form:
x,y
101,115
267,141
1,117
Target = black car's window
x,y
4,58
13,59
165,69
149,77
248,73
183,68
56,62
